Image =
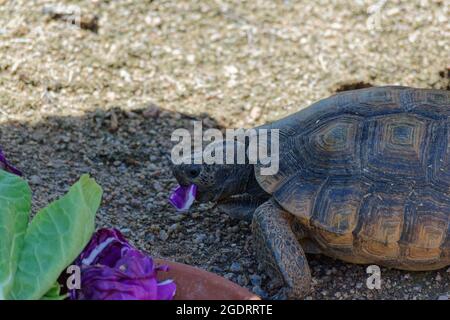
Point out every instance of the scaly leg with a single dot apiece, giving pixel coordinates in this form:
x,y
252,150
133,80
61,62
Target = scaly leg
x,y
279,250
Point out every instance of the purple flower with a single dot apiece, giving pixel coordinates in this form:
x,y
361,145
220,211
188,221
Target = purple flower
x,y
111,269
6,166
182,198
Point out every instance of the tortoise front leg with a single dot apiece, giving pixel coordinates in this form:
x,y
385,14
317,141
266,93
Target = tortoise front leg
x,y
279,250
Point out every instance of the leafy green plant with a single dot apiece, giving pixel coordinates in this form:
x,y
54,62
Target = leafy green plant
x,y
34,254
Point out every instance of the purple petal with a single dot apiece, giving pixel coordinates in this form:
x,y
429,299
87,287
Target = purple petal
x,y
166,290
6,166
106,247
182,198
104,283
133,278
112,269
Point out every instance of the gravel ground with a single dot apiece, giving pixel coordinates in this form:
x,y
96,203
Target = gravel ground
x,y
105,98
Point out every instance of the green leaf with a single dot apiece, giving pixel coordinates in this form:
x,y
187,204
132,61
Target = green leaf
x,y
54,293
15,205
55,237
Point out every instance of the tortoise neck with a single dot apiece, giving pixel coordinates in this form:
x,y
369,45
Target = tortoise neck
x,y
252,186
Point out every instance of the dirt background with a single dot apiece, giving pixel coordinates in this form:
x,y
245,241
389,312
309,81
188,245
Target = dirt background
x,y
103,96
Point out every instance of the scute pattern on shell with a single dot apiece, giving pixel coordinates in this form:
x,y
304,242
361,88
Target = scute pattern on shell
x,y
367,173
396,147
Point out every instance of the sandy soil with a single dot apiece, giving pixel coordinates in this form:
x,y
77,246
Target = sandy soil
x,y
103,96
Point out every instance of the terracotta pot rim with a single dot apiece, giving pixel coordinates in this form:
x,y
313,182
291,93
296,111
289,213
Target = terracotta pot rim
x,y
194,283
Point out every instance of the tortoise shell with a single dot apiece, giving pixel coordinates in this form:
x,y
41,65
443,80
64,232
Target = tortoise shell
x,y
367,174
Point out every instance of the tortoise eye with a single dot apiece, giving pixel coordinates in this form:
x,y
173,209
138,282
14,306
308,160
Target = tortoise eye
x,y
194,172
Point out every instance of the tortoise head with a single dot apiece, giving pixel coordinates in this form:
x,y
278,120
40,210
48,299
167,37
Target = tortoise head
x,y
232,186
216,181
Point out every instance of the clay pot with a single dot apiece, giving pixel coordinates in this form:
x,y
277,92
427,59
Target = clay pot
x,y
197,284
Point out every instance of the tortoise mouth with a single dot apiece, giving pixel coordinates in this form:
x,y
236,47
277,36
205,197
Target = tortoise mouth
x,y
240,206
244,190
247,198
233,199
208,195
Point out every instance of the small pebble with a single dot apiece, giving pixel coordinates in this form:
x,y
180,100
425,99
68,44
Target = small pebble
x,y
229,276
135,203
125,231
200,238
163,235
255,280
235,267
35,179
195,215
216,269
177,217
242,280
154,227
260,292
152,111
174,227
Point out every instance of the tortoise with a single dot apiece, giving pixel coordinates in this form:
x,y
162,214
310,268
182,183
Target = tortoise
x,y
364,177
